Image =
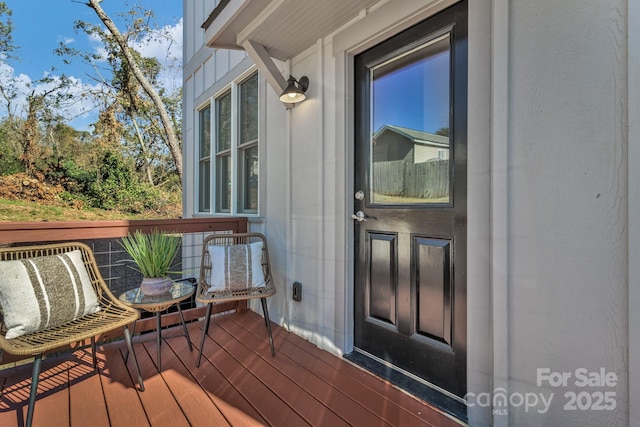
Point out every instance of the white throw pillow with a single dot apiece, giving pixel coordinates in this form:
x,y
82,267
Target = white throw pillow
x,y
236,267
43,292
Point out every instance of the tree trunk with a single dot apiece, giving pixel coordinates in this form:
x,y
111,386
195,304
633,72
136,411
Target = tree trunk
x,y
30,137
172,140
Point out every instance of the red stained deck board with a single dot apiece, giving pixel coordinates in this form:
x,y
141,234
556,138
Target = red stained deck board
x,y
347,406
391,403
234,407
297,395
158,401
123,404
271,407
238,383
192,399
86,399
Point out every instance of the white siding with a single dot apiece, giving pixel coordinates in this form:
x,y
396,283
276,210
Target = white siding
x,y
235,56
222,63
188,149
198,80
424,153
567,205
209,70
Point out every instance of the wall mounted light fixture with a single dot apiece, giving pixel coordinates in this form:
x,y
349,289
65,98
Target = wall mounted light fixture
x,y
294,92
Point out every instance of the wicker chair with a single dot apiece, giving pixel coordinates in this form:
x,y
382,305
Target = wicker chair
x,y
246,292
112,315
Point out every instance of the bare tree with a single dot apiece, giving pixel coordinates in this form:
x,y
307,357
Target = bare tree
x,y
172,139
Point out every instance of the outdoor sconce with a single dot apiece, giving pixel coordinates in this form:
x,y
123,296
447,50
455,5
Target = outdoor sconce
x,y
295,90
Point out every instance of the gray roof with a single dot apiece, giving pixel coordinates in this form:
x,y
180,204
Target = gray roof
x,y
416,136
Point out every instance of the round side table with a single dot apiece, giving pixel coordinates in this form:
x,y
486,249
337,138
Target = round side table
x,y
179,292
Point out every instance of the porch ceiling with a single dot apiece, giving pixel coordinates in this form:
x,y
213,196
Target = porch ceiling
x,y
284,27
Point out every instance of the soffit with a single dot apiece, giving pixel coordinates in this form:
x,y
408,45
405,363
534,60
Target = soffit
x,y
284,27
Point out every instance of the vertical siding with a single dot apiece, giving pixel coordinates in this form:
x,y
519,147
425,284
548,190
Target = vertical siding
x,y
306,176
209,70
221,63
187,39
235,56
188,149
567,204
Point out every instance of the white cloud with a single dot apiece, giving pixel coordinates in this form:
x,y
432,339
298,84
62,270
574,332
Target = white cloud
x,y
66,40
98,46
166,46
82,109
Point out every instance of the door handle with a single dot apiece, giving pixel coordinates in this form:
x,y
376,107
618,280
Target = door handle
x,y
359,216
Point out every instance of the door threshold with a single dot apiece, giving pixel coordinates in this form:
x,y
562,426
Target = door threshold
x,y
451,405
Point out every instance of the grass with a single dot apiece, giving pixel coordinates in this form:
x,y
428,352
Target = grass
x,y
22,211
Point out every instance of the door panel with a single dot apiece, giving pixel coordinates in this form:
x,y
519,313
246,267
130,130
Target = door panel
x,y
382,289
433,285
410,153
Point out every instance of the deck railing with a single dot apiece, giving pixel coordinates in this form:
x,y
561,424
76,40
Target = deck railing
x,y
103,237
35,232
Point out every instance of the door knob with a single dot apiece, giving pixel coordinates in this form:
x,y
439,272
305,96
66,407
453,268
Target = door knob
x,y
359,195
359,216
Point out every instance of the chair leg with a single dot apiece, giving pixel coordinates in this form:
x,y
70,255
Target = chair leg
x,y
37,363
127,338
93,353
265,310
207,319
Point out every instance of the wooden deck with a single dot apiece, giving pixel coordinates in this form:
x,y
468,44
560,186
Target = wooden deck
x,y
239,383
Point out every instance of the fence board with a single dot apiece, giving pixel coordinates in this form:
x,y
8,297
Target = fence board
x,y
427,180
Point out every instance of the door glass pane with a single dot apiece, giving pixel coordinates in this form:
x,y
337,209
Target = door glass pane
x,y
410,105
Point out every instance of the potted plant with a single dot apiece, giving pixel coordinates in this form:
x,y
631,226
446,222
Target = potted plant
x,y
153,255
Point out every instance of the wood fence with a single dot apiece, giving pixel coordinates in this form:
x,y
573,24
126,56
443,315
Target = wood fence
x,y
427,180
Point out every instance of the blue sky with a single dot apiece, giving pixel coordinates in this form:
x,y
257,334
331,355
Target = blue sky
x,y
40,26
414,97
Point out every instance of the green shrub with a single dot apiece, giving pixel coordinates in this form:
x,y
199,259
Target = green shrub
x,y
10,165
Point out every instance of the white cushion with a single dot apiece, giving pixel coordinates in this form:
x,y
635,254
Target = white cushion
x,y
43,292
236,267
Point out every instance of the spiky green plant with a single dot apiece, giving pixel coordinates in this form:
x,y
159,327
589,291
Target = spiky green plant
x,y
152,253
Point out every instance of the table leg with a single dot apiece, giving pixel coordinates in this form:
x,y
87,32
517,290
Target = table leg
x,y
133,330
184,328
159,339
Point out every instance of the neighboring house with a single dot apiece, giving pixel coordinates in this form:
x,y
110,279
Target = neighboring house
x,y
516,293
414,146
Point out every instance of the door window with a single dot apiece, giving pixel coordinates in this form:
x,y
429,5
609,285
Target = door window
x,y
410,108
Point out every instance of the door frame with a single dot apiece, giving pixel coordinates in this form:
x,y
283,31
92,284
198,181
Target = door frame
x,y
487,62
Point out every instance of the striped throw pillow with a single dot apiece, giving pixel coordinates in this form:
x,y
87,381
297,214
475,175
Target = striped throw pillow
x,y
43,292
236,267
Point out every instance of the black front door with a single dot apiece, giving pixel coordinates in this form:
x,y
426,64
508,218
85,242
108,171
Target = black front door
x,y
410,204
